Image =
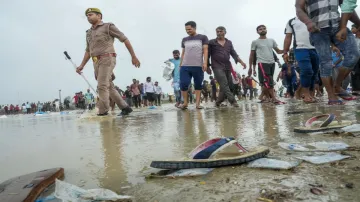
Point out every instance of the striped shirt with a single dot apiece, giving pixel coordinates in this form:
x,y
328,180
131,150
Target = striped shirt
x,y
324,13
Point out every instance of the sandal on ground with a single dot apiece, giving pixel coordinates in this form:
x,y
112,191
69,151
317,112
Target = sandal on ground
x,y
199,107
346,96
310,101
183,107
336,102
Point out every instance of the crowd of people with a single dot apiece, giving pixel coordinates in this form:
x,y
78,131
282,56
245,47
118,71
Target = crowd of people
x,y
30,108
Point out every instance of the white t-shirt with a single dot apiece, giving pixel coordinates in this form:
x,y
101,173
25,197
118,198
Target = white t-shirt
x,y
149,87
302,35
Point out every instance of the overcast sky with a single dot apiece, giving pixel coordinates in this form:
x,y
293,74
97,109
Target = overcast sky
x,y
36,33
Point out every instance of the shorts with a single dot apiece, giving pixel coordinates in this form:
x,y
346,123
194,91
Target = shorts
x,y
322,41
269,70
150,97
189,72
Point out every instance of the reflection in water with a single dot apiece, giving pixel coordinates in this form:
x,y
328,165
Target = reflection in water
x,y
114,174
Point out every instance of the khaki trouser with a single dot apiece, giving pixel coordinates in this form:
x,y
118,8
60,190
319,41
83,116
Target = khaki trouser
x,y
103,71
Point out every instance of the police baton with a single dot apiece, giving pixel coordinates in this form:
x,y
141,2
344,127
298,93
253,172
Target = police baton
x,y
69,58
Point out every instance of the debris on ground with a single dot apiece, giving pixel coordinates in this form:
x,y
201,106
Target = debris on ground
x,y
276,195
69,192
326,158
273,164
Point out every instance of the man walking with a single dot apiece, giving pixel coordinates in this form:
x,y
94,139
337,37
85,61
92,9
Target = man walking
x,y
193,63
322,19
89,99
158,93
176,77
263,47
220,50
135,89
100,47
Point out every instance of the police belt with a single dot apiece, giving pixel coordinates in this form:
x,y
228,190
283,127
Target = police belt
x,y
97,58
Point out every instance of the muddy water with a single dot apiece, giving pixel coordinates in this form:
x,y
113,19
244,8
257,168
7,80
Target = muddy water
x,y
115,153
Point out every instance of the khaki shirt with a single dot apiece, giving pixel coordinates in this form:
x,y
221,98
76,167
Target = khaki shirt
x,y
100,39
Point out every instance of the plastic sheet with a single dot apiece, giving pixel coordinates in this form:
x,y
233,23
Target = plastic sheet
x,y
190,172
326,158
315,146
273,164
351,129
68,192
168,70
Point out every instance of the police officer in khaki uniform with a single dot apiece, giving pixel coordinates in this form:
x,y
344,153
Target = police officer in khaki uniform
x,y
100,47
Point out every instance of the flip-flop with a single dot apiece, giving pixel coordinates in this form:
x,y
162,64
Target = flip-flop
x,y
336,102
356,93
278,102
199,107
328,124
345,96
182,107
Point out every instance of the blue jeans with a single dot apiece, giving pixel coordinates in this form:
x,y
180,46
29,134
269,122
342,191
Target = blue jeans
x,y
177,92
291,84
322,41
308,61
189,72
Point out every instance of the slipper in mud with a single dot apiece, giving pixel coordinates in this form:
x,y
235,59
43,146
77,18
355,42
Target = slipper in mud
x,y
217,152
183,107
346,96
199,107
336,102
278,102
313,125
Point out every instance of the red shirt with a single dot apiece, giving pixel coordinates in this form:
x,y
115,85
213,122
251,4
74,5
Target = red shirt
x,y
76,97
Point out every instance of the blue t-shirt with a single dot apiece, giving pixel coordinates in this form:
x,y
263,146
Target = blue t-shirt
x,y
335,58
176,69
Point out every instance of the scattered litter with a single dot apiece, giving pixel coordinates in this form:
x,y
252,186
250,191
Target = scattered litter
x,y
273,164
292,147
327,158
351,129
315,146
329,146
202,183
316,191
180,173
152,107
69,192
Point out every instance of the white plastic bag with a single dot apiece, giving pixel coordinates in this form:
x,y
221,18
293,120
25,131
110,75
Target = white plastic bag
x,y
168,70
327,158
272,164
68,192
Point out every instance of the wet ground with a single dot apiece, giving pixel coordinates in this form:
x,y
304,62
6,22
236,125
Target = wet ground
x,y
115,153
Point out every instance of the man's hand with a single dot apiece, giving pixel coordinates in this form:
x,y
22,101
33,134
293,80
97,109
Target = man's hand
x,y
312,27
342,34
208,70
286,57
335,49
243,64
204,67
135,61
79,69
